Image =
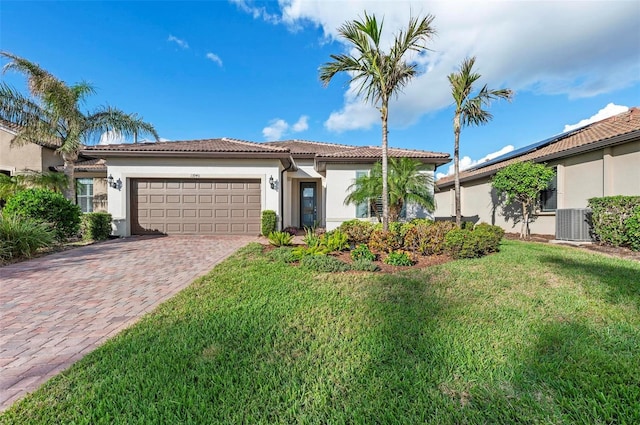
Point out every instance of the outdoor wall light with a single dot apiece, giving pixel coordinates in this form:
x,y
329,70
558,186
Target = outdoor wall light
x,y
272,182
114,184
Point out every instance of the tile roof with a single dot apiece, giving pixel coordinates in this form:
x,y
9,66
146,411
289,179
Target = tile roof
x,y
95,164
15,128
374,152
205,145
589,137
310,148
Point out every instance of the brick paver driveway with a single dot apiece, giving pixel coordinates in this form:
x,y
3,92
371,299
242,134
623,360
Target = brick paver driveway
x,y
57,308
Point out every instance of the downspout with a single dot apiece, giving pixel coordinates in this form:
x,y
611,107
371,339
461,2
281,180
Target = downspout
x,y
282,194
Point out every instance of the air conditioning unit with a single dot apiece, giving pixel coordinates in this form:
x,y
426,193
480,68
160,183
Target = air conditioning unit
x,y
573,225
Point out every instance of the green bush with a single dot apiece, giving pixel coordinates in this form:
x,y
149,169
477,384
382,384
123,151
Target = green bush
x,y
23,237
335,240
398,258
633,229
363,265
609,217
280,238
324,263
496,230
268,223
311,238
468,225
301,251
427,237
362,252
95,226
48,207
284,254
460,243
357,231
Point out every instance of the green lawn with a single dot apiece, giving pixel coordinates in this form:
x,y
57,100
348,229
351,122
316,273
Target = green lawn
x,y
533,334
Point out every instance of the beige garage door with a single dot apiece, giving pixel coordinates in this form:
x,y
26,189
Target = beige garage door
x,y
195,207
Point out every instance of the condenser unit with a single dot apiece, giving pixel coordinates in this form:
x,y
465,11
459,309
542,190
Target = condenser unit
x,y
572,224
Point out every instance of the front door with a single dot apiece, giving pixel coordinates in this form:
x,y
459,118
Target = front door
x,y
308,205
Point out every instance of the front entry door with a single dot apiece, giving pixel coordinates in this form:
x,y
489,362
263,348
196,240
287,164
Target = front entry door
x,y
308,205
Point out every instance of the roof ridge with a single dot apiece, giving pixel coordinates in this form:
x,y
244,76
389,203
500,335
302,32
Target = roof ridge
x,y
247,142
315,142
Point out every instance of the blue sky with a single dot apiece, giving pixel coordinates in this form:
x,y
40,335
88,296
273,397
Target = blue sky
x,y
249,70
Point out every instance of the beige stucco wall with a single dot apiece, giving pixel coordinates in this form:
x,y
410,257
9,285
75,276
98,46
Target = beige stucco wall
x,y
126,169
26,157
604,172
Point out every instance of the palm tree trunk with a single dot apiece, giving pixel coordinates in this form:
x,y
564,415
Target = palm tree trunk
x,y
69,170
385,183
456,166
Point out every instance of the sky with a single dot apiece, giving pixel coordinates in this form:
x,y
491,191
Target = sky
x,y
249,70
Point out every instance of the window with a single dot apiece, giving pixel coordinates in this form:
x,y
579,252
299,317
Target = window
x,y
549,197
84,194
362,209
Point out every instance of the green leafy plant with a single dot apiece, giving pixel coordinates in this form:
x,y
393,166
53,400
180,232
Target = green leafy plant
x,y
268,223
302,251
633,229
385,240
362,252
311,237
23,237
324,263
609,218
358,231
364,265
280,238
284,254
95,226
427,237
335,240
399,258
48,207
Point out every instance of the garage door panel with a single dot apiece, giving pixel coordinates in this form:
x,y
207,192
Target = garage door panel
x,y
203,206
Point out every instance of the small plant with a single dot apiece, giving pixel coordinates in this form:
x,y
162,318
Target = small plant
x,y
284,254
301,251
23,237
280,238
311,238
427,237
385,241
362,252
399,258
335,240
95,226
268,223
357,231
46,206
292,230
324,263
363,265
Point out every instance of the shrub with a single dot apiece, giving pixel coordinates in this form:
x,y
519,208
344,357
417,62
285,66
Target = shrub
x,y
486,241
284,254
324,263
301,251
363,265
48,207
357,231
95,226
362,252
468,225
459,243
335,240
385,241
292,230
311,238
496,230
609,217
23,237
268,222
280,238
399,258
633,229
427,237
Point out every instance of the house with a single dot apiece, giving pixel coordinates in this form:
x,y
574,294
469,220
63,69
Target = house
x,y
599,159
90,174
221,186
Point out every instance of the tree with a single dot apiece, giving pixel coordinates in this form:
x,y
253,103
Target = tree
x,y
469,112
522,182
53,114
379,74
407,184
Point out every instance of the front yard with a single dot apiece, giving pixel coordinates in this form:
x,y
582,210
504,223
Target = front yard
x,y
532,334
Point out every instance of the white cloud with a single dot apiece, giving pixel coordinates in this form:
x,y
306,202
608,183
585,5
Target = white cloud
x,y
215,58
466,162
111,137
279,127
606,112
301,125
182,43
582,49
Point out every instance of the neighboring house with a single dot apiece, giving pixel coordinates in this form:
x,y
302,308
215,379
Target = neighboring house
x,y
90,174
600,159
221,186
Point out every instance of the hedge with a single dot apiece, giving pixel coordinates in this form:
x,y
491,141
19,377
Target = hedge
x,y
96,226
614,220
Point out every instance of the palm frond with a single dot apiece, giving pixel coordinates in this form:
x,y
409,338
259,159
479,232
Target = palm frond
x,y
112,119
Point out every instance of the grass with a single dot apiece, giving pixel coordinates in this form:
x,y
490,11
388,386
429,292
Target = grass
x,y
533,334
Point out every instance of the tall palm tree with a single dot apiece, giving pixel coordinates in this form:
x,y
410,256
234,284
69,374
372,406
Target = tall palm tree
x,y
53,114
469,112
407,184
380,74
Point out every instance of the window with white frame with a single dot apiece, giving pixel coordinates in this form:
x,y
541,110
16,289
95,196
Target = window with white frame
x,y
84,194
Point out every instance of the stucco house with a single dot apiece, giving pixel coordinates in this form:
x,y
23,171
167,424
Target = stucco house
x,y
90,174
599,159
221,186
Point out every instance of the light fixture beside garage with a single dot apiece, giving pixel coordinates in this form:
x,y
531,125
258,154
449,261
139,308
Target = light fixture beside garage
x,y
272,182
117,184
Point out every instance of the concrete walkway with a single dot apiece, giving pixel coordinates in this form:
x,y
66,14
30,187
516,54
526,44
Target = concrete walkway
x,y
57,308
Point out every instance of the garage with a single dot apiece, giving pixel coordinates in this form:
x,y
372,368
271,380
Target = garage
x,y
195,206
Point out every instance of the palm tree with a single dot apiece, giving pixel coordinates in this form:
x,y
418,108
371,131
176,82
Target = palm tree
x,y
407,184
380,74
469,112
53,114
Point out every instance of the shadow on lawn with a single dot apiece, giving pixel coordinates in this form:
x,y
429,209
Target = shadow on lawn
x,y
622,280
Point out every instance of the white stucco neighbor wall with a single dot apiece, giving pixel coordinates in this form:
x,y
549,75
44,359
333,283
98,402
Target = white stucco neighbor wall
x,y
125,169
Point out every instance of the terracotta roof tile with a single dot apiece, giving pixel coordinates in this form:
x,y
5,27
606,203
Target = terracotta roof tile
x,y
94,164
204,145
376,152
307,147
582,138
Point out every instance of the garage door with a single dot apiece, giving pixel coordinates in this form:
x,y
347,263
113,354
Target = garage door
x,y
195,207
